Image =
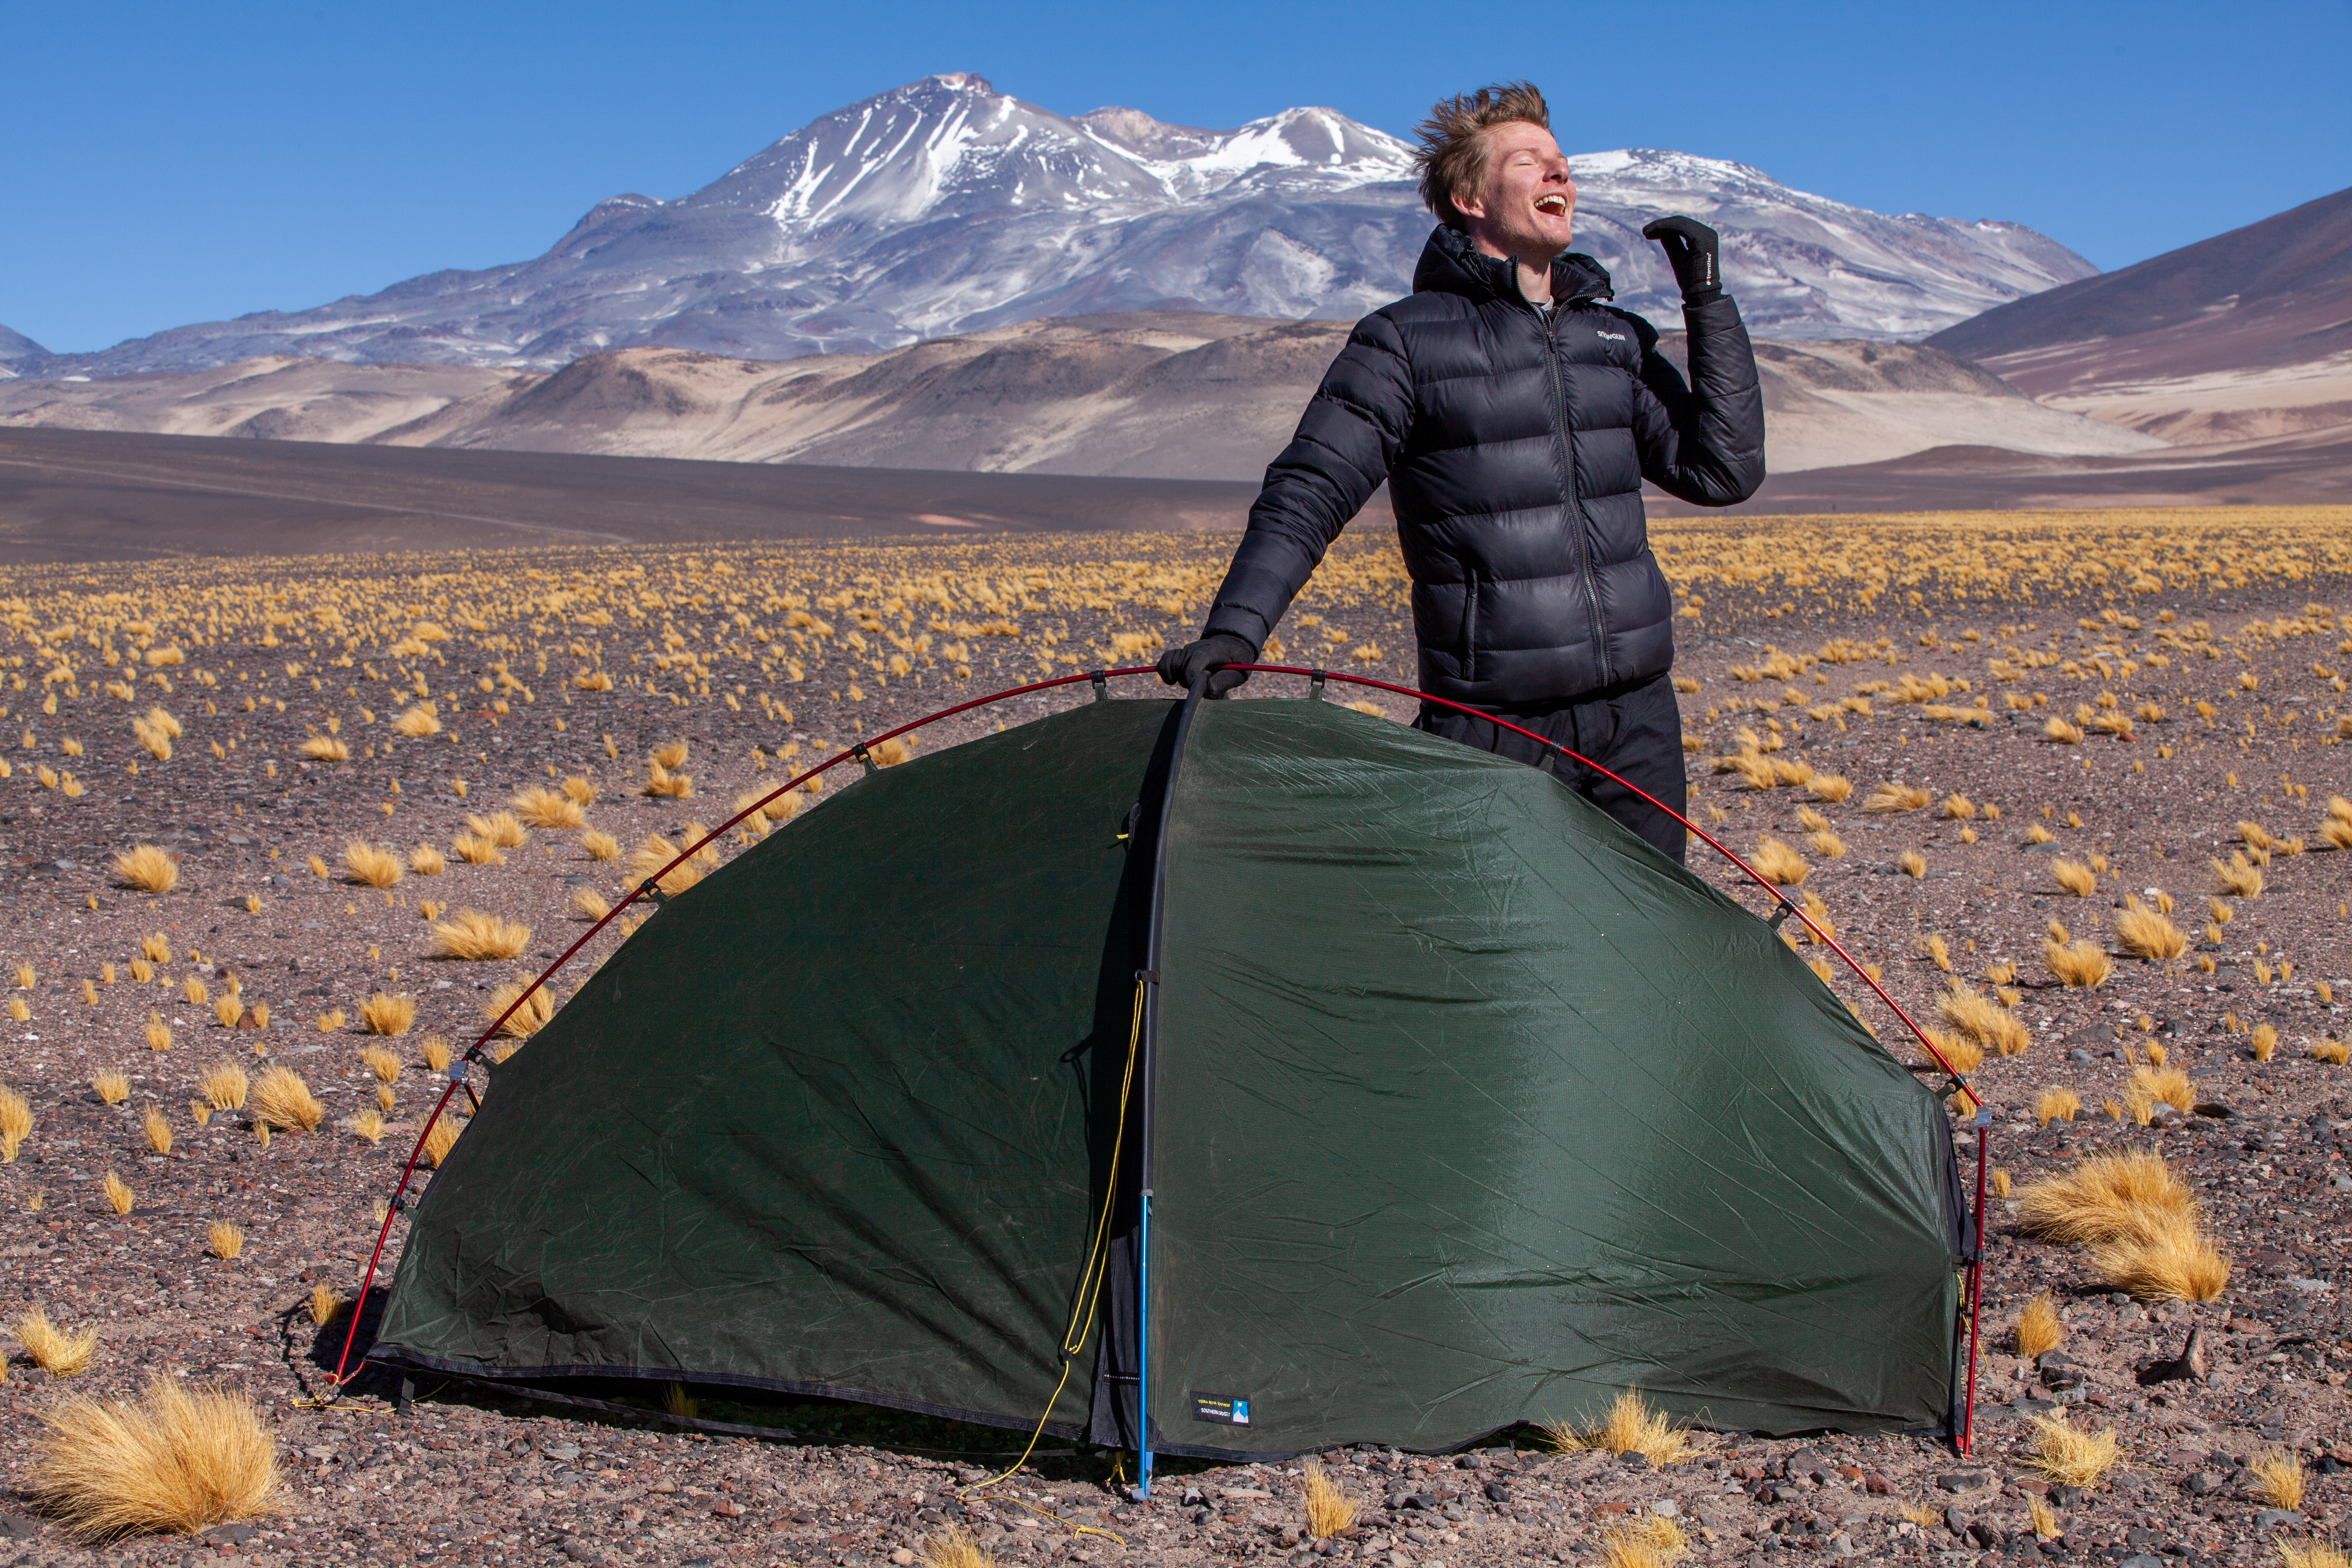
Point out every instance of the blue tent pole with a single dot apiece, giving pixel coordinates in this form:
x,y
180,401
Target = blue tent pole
x,y
1150,1041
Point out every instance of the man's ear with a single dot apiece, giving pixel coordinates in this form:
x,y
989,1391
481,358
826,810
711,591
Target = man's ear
x,y
1468,205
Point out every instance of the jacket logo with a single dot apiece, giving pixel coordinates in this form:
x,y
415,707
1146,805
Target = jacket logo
x,y
1613,337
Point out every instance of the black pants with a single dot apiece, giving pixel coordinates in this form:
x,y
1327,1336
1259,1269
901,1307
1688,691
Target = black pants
x,y
1634,731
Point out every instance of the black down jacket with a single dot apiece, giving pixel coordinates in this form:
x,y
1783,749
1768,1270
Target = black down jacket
x,y
1514,448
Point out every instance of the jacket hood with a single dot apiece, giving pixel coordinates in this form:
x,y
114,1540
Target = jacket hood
x,y
1450,264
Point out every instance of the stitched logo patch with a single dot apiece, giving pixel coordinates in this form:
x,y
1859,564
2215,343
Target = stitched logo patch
x,y
1221,1409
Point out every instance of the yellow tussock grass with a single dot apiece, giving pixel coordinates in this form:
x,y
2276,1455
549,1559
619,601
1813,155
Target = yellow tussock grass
x,y
385,1014
435,1052
385,1098
579,790
195,993
380,1062
2264,1041
177,1460
526,1020
369,866
328,1023
229,1010
2077,964
502,828
2278,1477
440,1138
599,845
157,1130
2335,1053
663,784
670,754
475,850
2146,934
15,1123
2147,1085
2042,1518
224,1086
899,749
118,1194
416,722
1986,1022
1777,863
1891,797
147,869
224,1240
2103,1196
951,1547
472,935
284,1102
1958,807
1829,788
111,1087
656,852
1825,844
2166,1259
1962,1054
2057,1103
2254,837
1998,1181
1650,1543
367,1124
1911,863
1811,821
1328,1510
428,861
2059,732
2238,878
54,1350
325,1304
2074,877
543,807
2038,1330
589,904
326,748
2310,1553
1633,1426
2071,1454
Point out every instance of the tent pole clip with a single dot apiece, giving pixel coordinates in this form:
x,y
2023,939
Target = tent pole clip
x,y
1101,685
1315,682
655,896
865,756
1783,913
1148,977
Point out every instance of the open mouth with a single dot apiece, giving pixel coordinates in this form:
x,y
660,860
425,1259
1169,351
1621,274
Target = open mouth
x,y
1557,205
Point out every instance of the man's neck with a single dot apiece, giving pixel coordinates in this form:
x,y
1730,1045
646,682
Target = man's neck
x,y
1534,277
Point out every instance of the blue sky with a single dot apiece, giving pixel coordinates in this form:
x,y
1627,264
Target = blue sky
x,y
168,163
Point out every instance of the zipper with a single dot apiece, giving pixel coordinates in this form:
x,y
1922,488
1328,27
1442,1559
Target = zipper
x,y
1470,622
1568,488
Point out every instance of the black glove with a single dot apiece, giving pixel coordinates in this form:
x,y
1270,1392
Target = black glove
x,y
1183,665
1690,246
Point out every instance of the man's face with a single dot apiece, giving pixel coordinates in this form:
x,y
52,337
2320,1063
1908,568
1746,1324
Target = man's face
x,y
1525,205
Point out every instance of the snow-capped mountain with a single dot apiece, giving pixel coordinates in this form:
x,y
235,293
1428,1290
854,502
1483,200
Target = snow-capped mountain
x,y
947,207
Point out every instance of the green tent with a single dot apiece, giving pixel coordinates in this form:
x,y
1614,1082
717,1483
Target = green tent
x,y
1458,1106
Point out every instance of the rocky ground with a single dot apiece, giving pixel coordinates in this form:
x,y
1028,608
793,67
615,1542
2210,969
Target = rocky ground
x,y
469,1477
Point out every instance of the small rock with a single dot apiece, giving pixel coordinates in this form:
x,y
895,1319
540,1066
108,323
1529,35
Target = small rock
x,y
2276,1517
902,1557
580,1551
16,1527
1665,1508
2201,1483
1877,1485
230,1534
1962,1480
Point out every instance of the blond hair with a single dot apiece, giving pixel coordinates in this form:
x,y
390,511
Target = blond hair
x,y
1453,152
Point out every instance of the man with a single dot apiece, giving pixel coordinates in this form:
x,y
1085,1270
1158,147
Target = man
x,y
1515,416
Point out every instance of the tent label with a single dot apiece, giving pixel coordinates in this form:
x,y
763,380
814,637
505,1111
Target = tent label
x,y
1216,1407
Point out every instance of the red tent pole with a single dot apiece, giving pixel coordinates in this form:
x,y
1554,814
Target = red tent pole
x,y
1976,1276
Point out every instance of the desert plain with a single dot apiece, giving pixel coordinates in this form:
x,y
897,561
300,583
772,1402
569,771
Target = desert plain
x,y
1974,742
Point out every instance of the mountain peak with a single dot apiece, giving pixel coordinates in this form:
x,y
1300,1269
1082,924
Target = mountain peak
x,y
944,205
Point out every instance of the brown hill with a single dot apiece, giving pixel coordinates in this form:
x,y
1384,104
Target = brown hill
x,y
2247,334
1161,395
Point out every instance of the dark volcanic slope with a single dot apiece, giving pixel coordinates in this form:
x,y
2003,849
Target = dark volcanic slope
x,y
78,495
2275,293
2314,468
